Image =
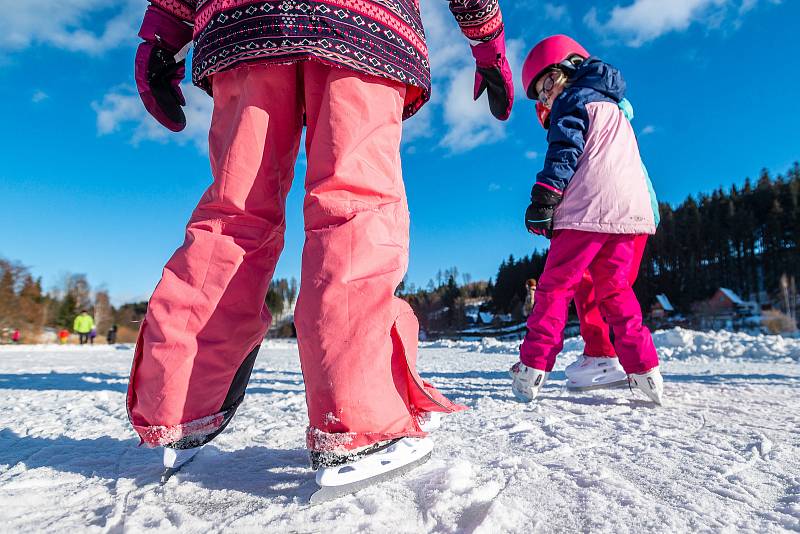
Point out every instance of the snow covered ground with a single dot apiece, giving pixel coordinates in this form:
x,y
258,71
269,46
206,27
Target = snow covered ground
x,y
724,456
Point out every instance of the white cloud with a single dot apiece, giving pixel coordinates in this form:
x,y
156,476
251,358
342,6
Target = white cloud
x,y
531,154
645,20
555,12
419,126
122,106
647,130
65,24
39,96
468,124
747,5
494,187
93,26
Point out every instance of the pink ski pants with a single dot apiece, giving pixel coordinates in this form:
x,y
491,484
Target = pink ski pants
x,y
609,259
594,329
207,317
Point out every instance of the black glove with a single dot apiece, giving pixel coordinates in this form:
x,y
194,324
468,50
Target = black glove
x,y
493,74
539,215
158,74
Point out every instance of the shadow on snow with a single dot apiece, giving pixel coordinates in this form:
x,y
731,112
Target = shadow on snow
x,y
54,381
259,471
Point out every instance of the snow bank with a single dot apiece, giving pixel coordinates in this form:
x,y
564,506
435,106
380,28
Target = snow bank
x,y
487,345
675,344
681,344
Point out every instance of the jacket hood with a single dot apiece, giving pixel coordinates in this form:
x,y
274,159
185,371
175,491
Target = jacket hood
x,y
599,76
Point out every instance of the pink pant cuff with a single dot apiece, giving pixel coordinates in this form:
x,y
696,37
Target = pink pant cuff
x,y
159,436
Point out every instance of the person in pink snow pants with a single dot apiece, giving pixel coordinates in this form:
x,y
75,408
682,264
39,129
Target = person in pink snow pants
x,y
594,329
598,366
350,71
592,200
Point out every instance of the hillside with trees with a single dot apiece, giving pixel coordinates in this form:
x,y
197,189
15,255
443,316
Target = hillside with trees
x,y
24,305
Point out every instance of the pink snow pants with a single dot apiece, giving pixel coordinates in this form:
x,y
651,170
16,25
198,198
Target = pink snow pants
x,y
609,259
207,317
594,329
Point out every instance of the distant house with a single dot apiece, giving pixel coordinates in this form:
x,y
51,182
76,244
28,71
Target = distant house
x,y
727,301
472,313
475,316
662,307
726,309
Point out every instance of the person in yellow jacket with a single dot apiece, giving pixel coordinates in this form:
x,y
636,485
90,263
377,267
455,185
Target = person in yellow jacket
x,y
83,325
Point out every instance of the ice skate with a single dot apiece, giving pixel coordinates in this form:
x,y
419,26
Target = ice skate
x,y
650,383
595,372
340,475
527,381
174,459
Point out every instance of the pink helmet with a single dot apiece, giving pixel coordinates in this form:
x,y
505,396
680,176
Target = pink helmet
x,y
548,53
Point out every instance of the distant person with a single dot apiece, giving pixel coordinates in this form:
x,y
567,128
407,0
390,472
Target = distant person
x,y
530,295
92,335
593,224
111,335
83,326
15,337
63,336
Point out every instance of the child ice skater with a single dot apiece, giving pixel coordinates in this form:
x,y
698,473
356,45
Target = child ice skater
x,y
351,70
598,367
592,200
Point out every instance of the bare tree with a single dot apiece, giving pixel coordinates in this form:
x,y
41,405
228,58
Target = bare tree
x,y
78,286
103,312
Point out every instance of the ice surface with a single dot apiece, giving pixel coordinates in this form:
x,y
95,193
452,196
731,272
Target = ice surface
x,y
724,456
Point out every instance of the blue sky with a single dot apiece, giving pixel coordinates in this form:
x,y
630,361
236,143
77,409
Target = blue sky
x,y
91,185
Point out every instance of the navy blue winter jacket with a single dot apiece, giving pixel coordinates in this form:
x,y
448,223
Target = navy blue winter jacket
x,y
592,81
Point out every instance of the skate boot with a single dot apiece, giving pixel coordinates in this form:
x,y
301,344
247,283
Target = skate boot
x,y
595,372
343,474
526,381
174,459
650,383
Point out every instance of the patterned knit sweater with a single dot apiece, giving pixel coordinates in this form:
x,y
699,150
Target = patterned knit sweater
x,y
378,37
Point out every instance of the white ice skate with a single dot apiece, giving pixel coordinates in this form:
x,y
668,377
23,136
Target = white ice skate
x,y
526,381
650,383
381,463
174,459
594,372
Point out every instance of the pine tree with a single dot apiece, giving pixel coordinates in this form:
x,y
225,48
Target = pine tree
x,y
31,306
67,311
8,297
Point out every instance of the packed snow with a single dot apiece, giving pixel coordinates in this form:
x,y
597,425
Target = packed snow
x,y
724,455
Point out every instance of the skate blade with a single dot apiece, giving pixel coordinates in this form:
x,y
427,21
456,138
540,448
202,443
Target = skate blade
x,y
610,385
329,493
167,474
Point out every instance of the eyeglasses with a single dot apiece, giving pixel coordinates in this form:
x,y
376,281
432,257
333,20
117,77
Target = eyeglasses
x,y
548,82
